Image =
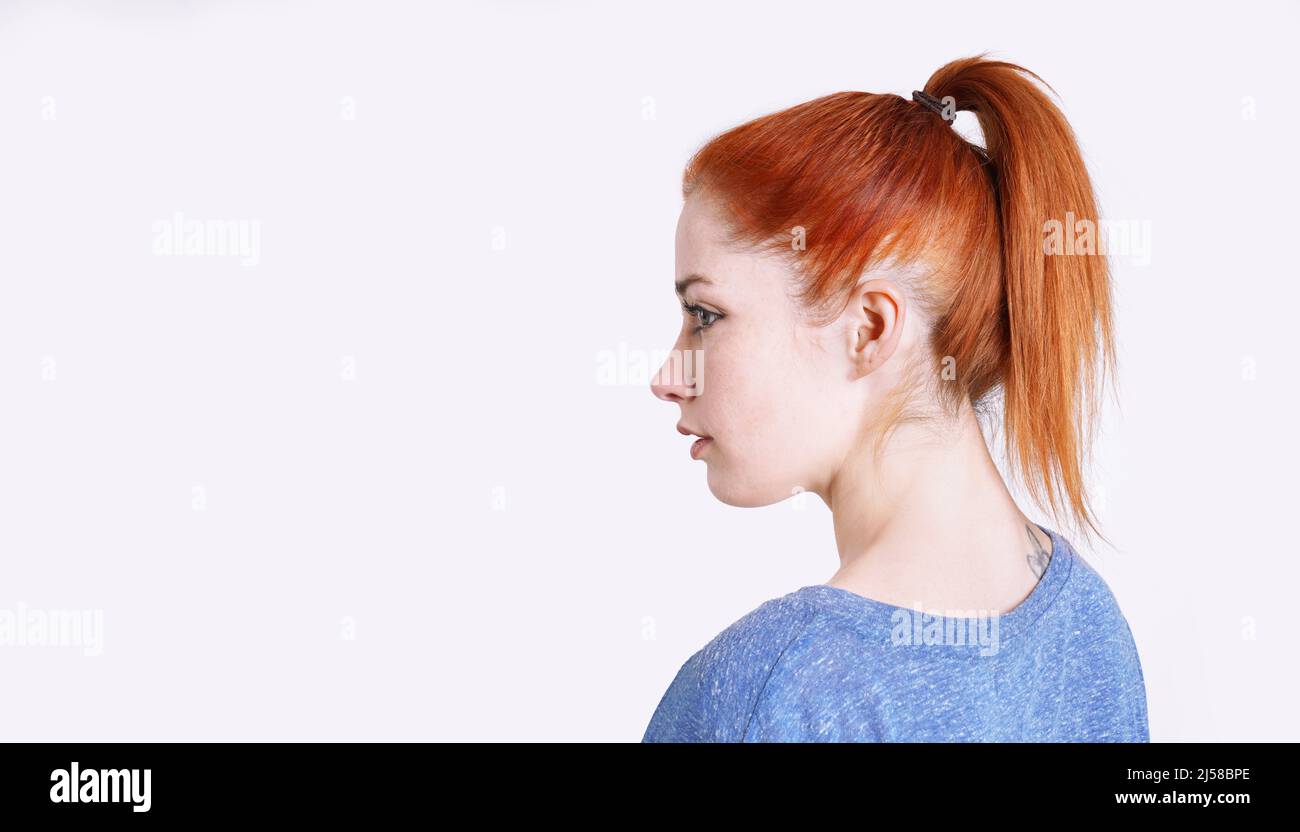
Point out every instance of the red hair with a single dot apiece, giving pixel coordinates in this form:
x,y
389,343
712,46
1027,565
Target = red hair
x,y
879,180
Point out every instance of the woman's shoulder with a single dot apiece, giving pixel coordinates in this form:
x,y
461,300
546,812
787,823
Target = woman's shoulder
x,y
759,636
1090,605
716,689
1106,677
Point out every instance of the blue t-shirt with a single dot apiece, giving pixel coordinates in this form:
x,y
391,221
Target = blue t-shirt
x,y
823,664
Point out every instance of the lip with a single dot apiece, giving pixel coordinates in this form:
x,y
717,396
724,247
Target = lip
x,y
700,444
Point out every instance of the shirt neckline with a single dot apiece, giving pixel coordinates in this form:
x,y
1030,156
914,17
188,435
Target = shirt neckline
x,y
880,619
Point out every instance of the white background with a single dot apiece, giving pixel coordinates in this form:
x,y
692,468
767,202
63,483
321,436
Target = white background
x,y
472,538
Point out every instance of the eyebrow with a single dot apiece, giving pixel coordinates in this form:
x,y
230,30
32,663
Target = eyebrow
x,y
688,280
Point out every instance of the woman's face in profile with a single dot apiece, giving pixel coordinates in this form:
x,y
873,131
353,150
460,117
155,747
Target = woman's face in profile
x,y
774,394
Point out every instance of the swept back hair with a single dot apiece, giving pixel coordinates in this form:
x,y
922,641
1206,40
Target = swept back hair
x,y
880,181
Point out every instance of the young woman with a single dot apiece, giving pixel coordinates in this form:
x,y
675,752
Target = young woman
x,y
860,284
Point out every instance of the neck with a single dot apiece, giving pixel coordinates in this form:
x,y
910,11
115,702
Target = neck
x,y
931,521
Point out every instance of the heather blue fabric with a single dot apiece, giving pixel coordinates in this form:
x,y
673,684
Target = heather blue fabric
x,y
823,664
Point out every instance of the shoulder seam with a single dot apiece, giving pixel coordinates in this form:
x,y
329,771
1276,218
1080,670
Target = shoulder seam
x,y
1051,602
810,614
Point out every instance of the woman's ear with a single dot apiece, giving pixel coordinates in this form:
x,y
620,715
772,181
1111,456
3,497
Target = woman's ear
x,y
875,324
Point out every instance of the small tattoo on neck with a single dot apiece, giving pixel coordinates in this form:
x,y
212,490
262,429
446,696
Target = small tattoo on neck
x,y
1039,557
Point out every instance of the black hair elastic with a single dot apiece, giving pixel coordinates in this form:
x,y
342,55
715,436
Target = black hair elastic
x,y
932,103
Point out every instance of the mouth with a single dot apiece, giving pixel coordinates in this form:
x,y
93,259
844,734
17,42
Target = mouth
x,y
700,444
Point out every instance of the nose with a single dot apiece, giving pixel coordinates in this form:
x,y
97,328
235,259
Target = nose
x,y
675,380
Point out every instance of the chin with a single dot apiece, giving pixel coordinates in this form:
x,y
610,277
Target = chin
x,y
735,492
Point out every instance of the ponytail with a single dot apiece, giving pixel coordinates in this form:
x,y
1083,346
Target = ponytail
x,y
1058,306
874,179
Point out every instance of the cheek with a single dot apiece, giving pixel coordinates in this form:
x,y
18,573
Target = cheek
x,y
756,397
788,410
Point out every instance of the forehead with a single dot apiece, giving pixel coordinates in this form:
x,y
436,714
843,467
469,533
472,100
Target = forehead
x,y
702,245
738,276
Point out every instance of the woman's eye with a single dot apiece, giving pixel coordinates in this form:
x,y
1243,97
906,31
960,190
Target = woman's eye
x,y
704,317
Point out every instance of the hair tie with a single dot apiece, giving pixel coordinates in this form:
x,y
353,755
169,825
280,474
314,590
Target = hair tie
x,y
931,103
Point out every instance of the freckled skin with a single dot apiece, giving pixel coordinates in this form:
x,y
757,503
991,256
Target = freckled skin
x,y
775,398
791,406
